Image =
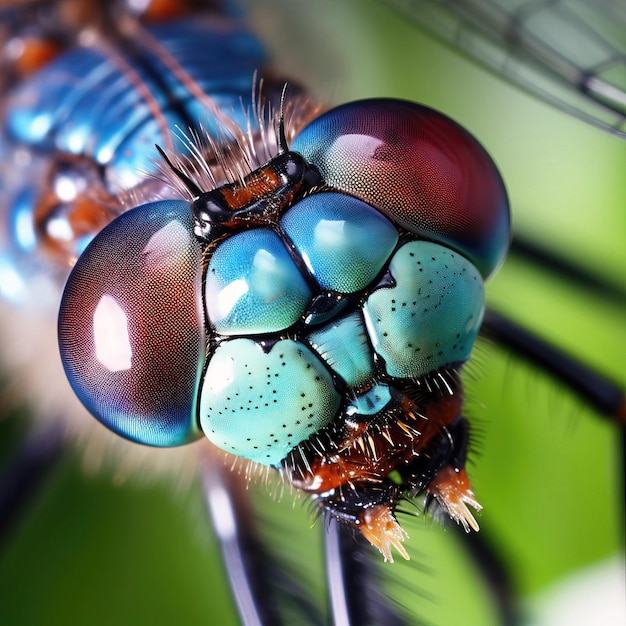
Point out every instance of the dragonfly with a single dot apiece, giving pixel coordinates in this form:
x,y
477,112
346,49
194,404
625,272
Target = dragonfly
x,y
545,430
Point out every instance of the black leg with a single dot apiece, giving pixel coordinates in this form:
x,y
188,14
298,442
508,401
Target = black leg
x,y
603,394
265,592
354,581
25,473
600,392
547,260
494,571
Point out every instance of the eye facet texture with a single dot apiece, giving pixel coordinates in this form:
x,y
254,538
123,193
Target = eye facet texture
x,y
335,300
418,167
130,326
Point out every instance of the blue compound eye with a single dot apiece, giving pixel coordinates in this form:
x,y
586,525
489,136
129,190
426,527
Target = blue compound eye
x,y
418,167
130,326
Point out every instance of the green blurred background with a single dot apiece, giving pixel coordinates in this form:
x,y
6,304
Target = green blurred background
x,y
546,470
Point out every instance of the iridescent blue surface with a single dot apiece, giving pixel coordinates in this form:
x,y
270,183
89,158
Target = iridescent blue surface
x,y
343,241
430,318
92,103
418,308
131,327
260,404
83,103
309,318
420,168
370,403
253,286
344,345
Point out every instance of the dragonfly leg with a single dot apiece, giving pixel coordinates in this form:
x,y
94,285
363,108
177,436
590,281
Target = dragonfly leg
x,y
354,580
25,474
260,583
600,392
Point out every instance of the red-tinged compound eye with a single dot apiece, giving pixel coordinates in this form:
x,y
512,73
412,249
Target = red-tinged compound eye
x,y
130,326
420,168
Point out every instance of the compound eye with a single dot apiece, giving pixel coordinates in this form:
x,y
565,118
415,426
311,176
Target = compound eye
x,y
417,166
130,325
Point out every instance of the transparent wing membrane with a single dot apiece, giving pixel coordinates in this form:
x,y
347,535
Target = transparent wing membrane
x,y
570,53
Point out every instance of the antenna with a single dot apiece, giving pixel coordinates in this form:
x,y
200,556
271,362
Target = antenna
x,y
280,126
191,186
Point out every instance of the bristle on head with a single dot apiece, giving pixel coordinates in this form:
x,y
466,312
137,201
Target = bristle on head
x,y
227,154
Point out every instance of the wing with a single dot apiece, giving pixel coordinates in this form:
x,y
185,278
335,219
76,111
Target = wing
x,y
569,53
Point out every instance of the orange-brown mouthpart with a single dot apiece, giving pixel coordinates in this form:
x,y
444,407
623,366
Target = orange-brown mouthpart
x,y
380,527
452,490
370,452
